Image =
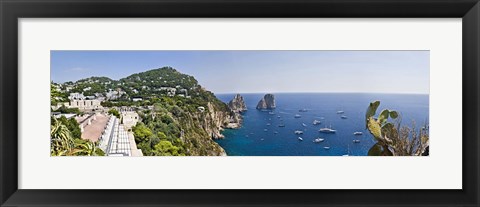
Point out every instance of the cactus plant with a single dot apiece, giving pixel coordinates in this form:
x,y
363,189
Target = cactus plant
x,y
389,141
381,129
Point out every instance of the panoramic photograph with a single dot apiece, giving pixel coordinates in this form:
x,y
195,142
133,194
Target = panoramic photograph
x,y
239,103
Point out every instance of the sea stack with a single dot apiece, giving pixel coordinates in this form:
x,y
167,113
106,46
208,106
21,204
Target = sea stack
x,y
237,104
267,102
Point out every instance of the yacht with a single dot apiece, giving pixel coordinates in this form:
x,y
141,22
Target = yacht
x,y
356,141
268,124
304,125
271,113
327,130
318,140
297,116
302,110
340,112
343,117
265,130
281,125
298,132
300,139
316,122
327,148
275,132
357,133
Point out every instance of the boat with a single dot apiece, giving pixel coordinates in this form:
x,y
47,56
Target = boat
x,y
356,141
265,130
344,117
318,140
271,113
300,139
327,148
268,124
304,125
340,112
275,132
348,152
297,116
281,125
298,132
302,110
316,122
357,133
278,117
327,130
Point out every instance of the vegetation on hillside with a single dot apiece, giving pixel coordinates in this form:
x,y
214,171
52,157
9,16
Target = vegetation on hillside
x,y
173,124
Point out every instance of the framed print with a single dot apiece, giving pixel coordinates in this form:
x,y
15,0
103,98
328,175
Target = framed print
x,y
206,103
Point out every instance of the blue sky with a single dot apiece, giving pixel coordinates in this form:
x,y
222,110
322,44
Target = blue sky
x,y
261,71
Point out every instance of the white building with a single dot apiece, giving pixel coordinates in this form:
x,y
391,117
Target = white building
x,y
76,96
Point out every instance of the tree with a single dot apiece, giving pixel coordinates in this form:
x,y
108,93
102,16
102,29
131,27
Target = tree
x,y
54,93
64,144
114,112
165,148
141,133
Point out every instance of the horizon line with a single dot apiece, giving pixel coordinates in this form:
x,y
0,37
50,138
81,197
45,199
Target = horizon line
x,y
405,93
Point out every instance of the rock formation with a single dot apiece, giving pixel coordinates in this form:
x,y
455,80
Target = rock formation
x,y
237,104
267,102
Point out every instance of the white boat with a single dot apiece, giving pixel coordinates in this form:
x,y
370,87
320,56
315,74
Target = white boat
x,y
281,125
316,122
298,132
357,133
327,130
340,112
304,125
356,141
303,110
318,140
271,113
265,130
348,152
344,117
300,139
275,132
327,148
297,116
268,124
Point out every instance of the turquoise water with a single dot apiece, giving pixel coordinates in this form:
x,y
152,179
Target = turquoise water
x,y
261,136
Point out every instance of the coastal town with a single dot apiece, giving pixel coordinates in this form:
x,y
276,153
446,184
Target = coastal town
x,y
141,115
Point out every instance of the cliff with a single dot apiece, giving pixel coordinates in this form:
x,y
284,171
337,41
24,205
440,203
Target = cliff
x,y
190,117
267,102
237,104
202,127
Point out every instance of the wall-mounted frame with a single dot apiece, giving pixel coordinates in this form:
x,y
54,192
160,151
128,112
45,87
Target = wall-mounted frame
x,y
12,11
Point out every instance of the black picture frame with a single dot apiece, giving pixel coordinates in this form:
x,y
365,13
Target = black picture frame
x,y
11,10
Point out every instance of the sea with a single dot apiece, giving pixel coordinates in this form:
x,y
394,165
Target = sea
x,y
260,134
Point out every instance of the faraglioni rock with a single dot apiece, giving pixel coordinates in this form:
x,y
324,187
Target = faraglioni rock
x,y
237,104
267,102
